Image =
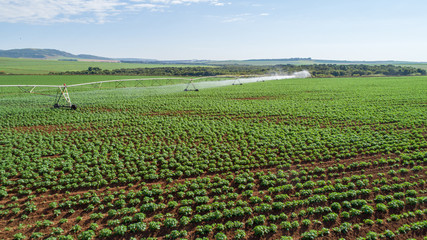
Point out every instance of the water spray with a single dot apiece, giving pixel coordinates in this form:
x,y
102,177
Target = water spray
x,y
242,80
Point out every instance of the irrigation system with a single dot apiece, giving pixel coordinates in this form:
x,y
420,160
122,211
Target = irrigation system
x,y
62,90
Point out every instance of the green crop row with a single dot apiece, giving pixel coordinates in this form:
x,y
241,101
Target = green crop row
x,y
301,158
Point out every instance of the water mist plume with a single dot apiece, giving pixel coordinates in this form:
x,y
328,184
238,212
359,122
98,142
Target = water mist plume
x,y
210,84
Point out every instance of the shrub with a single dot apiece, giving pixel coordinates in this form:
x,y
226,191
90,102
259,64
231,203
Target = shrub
x,y
286,225
345,214
379,198
395,204
330,217
220,236
395,217
137,227
63,220
105,233
95,216
185,210
149,207
286,238
255,199
19,236
366,209
120,230
272,228
153,225
295,224
411,193
371,235
76,228
219,227
355,212
343,228
172,204
3,193
36,235
53,205
323,232
411,201
309,235
138,217
184,220
356,226
346,204
47,223
356,203
204,230
381,207
261,219
176,234
113,222
170,222
239,234
260,230
306,222
369,222
56,212
336,206
389,234
86,235
197,218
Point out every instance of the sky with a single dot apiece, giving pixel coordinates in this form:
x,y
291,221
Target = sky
x,y
220,29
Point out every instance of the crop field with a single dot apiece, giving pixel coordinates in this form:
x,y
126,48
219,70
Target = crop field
x,y
37,66
69,80
420,65
342,158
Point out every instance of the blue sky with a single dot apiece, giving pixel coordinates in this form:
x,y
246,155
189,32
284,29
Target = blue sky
x,y
220,29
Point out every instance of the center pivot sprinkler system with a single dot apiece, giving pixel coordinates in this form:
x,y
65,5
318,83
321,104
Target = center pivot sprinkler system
x,y
63,96
191,86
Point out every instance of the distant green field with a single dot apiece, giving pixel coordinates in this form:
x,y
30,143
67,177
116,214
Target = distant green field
x,y
261,62
422,66
77,79
34,66
57,79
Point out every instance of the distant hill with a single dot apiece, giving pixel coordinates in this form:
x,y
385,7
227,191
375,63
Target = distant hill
x,y
45,54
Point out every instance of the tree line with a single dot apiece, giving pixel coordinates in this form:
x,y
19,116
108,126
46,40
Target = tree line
x,y
316,70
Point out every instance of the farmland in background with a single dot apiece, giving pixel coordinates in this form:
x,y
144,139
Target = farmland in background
x,y
36,66
60,79
286,159
421,66
324,67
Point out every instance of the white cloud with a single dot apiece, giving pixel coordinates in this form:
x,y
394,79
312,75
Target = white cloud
x,y
245,17
45,11
161,5
150,6
166,3
87,11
